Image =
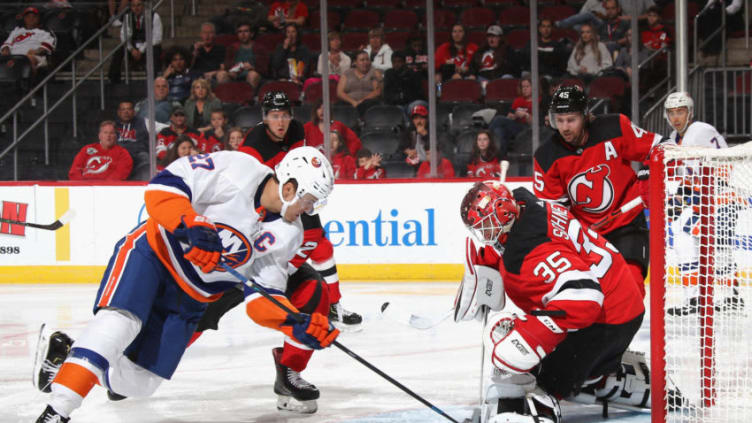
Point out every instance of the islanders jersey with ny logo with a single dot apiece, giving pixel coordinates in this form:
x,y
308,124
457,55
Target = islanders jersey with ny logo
x,y
596,178
226,187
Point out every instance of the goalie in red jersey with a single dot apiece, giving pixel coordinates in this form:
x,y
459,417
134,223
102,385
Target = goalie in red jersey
x,y
580,307
587,166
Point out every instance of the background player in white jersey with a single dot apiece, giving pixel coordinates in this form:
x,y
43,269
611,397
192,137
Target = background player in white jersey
x,y
684,182
580,307
202,209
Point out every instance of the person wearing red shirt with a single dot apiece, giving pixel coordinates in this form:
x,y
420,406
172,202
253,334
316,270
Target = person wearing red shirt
x,y
177,127
485,161
505,128
587,165
103,160
314,131
656,36
452,59
214,138
342,162
445,169
369,165
579,307
282,12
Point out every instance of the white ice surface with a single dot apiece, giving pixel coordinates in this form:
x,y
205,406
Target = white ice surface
x,y
227,375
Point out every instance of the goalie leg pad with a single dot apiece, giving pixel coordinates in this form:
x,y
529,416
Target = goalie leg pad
x,y
534,407
630,385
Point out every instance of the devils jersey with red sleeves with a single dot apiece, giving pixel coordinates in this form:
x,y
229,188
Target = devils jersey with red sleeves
x,y
259,145
551,262
597,178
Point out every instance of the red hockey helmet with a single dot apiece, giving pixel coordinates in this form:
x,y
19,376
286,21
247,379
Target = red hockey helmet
x,y
489,211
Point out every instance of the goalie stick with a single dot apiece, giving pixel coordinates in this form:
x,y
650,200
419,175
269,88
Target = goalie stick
x,y
65,218
298,318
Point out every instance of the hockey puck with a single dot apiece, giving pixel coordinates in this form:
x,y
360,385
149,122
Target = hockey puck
x,y
384,306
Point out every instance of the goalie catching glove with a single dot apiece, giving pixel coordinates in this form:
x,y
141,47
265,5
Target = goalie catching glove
x,y
204,245
313,331
519,343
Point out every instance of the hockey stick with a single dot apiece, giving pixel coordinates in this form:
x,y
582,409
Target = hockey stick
x,y
299,318
65,218
413,320
616,213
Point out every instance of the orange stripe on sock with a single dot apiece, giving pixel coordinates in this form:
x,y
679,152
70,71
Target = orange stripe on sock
x,y
117,268
77,378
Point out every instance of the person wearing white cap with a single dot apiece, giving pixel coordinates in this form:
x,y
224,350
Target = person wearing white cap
x,y
489,62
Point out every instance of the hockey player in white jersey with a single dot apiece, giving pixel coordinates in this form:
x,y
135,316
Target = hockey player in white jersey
x,y
684,183
679,112
202,209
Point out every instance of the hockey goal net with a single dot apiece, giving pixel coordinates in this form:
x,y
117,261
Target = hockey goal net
x,y
700,293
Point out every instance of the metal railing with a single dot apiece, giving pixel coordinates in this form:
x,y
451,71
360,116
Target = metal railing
x,y
727,103
12,115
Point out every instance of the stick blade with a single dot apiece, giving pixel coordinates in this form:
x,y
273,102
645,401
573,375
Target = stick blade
x,y
67,216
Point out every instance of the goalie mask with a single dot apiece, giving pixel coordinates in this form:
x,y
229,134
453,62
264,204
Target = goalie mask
x,y
313,174
489,211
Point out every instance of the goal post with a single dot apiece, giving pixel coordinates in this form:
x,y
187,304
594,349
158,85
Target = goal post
x,y
700,258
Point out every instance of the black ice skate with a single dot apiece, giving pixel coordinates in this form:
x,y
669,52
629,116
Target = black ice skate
x,y
341,317
731,304
295,394
51,416
51,353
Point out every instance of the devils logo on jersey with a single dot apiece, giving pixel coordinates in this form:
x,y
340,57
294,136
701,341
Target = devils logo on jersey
x,y
237,248
592,190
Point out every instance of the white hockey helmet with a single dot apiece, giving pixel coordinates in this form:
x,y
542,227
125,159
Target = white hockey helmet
x,y
676,100
311,171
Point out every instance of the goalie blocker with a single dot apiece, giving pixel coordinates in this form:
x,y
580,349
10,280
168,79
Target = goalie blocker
x,y
543,258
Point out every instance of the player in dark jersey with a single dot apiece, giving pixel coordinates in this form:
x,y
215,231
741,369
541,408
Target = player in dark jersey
x,y
581,307
311,285
587,166
269,141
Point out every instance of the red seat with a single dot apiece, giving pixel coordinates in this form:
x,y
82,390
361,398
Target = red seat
x,y
461,90
333,19
234,92
743,84
421,4
460,3
290,88
478,17
400,19
570,82
226,39
312,40
313,93
444,19
386,4
397,40
607,87
502,90
477,37
500,3
353,41
518,38
557,13
441,37
344,4
269,41
568,33
515,16
361,19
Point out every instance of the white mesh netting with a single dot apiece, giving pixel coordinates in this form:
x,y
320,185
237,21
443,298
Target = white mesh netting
x,y
708,297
